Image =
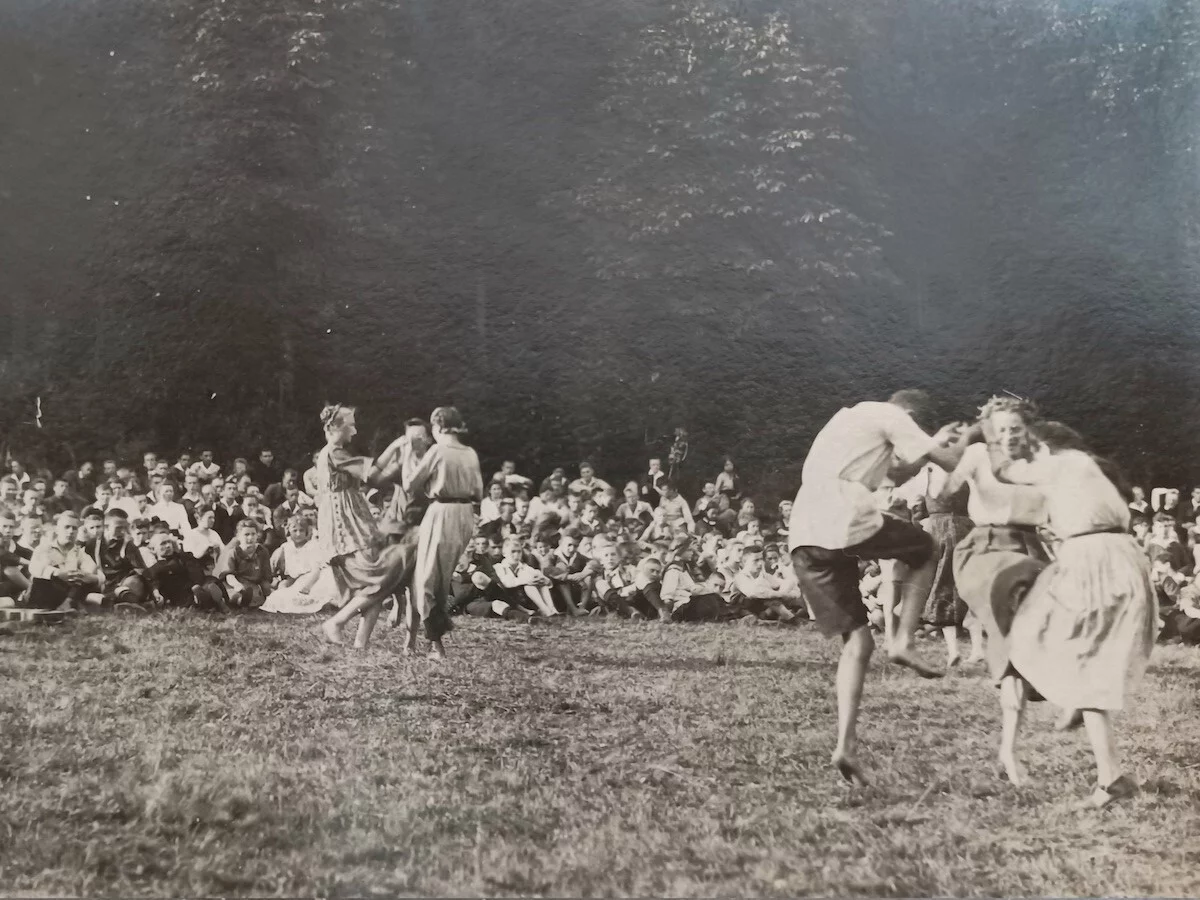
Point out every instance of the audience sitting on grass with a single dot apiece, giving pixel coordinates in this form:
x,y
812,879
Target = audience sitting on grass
x,y
197,533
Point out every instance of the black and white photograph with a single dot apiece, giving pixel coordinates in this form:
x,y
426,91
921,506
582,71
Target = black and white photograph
x,y
629,448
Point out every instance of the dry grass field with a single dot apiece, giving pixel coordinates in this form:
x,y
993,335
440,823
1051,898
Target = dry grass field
x,y
182,755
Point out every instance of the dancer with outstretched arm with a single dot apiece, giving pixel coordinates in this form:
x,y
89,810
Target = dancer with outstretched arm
x,y
836,523
366,570
449,476
1084,633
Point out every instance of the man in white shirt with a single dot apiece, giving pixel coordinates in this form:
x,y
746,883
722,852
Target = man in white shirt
x,y
836,522
205,469
169,511
587,483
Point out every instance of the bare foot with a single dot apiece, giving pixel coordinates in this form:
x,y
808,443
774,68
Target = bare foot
x,y
410,646
436,651
1069,720
1013,770
848,768
910,660
332,632
974,658
953,661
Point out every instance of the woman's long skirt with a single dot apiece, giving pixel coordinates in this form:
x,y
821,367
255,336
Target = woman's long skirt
x,y
445,532
994,568
1083,635
945,605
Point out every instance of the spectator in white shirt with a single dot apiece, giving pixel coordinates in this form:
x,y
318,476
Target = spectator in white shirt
x,y
587,482
510,479
203,542
489,507
515,575
169,511
205,469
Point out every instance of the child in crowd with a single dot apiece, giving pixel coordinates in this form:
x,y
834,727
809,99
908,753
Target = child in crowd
x,y
203,542
298,556
14,581
515,577
177,579
245,567
119,561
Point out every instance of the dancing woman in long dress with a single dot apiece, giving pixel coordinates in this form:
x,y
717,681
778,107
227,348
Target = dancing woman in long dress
x,y
365,570
998,561
947,522
1084,633
450,478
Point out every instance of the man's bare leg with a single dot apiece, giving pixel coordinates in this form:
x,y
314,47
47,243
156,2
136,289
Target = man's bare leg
x,y
912,590
887,597
852,671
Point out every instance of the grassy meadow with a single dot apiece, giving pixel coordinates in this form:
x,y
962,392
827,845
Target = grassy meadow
x,y
185,755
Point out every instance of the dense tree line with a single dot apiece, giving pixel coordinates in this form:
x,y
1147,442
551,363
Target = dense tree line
x,y
587,224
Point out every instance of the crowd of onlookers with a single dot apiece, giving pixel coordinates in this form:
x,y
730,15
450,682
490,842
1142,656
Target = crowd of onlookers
x,y
198,533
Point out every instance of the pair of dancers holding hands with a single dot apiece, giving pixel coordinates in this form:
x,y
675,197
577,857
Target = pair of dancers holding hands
x,y
1077,631
367,563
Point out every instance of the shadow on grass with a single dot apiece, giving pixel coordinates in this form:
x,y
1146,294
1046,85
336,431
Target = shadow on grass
x,y
692,664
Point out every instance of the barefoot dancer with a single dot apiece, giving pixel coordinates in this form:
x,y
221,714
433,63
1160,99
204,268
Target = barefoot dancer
x,y
995,564
449,476
1084,633
836,522
365,570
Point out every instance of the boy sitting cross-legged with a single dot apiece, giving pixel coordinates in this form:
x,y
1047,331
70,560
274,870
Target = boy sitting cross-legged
x,y
245,567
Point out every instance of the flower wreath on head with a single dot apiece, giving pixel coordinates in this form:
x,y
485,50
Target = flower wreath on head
x,y
1009,402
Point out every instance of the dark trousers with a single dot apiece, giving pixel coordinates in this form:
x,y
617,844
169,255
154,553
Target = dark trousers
x,y
51,593
1181,626
704,608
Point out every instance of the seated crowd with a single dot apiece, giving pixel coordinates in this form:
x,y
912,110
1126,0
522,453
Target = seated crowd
x,y
191,534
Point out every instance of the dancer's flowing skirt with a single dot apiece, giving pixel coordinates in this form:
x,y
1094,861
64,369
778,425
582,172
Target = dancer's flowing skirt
x,y
1083,635
945,606
377,573
994,567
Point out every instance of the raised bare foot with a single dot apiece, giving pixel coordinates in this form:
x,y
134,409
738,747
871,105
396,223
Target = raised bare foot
x,y
332,632
910,660
848,768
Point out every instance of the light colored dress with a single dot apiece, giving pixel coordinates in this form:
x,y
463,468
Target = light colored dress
x,y
345,524
360,562
999,559
450,478
1083,636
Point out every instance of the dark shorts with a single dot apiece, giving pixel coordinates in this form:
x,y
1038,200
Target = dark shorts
x,y
829,578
